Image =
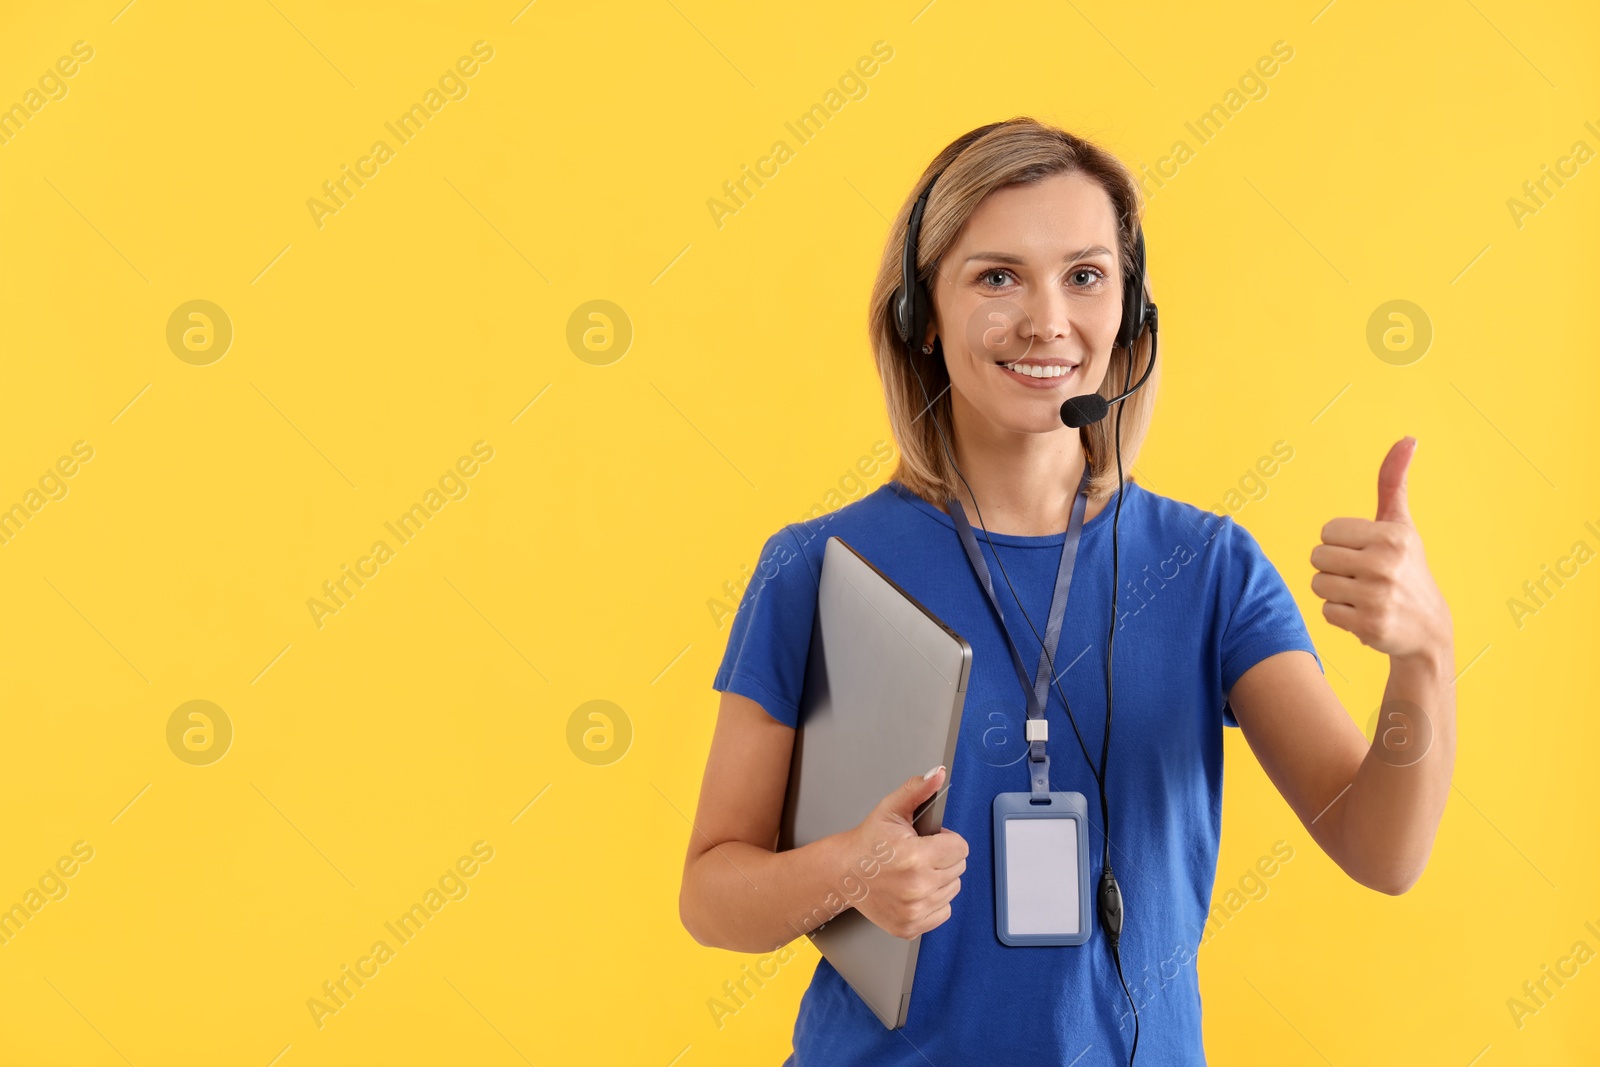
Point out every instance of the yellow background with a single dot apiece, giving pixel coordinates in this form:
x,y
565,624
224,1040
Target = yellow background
x,y
432,710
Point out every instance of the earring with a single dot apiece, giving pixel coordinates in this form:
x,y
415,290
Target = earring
x,y
927,350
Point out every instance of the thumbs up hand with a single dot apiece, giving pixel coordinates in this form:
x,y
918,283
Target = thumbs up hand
x,y
1374,577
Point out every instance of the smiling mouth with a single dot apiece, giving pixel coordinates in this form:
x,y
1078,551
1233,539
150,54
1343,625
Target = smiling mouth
x,y
1039,371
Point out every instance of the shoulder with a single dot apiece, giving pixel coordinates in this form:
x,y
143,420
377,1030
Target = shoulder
x,y
1169,515
790,560
1194,532
864,519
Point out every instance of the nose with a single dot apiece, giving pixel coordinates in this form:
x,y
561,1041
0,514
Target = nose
x,y
1049,315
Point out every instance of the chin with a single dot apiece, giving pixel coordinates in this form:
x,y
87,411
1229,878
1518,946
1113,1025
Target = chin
x,y
1039,416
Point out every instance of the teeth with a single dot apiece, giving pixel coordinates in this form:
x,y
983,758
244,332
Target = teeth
x,y
1036,370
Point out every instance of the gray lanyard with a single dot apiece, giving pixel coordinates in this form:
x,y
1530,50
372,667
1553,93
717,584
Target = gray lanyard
x,y
1038,693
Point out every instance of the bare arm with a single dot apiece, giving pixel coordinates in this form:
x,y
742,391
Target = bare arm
x,y
1374,810
737,892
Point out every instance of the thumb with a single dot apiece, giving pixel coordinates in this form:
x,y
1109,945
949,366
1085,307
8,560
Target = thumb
x,y
907,800
1392,505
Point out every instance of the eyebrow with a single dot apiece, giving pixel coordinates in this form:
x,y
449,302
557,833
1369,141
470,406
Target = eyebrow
x,y
1007,257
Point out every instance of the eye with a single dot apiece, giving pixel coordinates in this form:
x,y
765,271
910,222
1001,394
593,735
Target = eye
x,y
1092,277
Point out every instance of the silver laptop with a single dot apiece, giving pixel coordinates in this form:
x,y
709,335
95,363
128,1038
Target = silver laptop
x,y
885,683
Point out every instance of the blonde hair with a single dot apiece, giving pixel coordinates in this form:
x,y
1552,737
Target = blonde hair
x,y
1018,151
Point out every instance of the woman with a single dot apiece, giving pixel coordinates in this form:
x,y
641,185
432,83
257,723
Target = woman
x,y
1024,244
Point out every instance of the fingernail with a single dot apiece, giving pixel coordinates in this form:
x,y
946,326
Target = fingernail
x,y
933,772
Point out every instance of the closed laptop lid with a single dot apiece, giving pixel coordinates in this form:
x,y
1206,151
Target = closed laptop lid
x,y
885,684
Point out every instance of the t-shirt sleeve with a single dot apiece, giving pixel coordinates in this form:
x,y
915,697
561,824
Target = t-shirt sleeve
x,y
771,636
1262,618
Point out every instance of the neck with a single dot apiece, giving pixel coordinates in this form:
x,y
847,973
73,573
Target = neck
x,y
1025,482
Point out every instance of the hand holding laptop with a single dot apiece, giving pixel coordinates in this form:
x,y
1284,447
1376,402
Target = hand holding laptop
x,y
912,890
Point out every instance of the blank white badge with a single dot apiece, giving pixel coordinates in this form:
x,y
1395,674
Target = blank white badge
x,y
1042,877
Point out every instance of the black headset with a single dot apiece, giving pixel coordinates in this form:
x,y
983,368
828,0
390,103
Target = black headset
x,y
910,307
911,313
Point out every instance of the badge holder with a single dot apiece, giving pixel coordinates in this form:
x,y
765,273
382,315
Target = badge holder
x,y
1041,869
1041,838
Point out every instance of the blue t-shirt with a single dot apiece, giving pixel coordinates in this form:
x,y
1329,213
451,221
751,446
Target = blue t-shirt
x,y
1200,604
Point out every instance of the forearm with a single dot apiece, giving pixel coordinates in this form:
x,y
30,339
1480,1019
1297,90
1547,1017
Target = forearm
x,y
1387,819
745,898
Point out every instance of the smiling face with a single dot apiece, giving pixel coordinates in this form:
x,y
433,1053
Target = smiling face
x,y
1027,302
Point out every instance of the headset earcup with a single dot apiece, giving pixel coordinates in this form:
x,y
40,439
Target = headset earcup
x,y
1133,310
920,310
